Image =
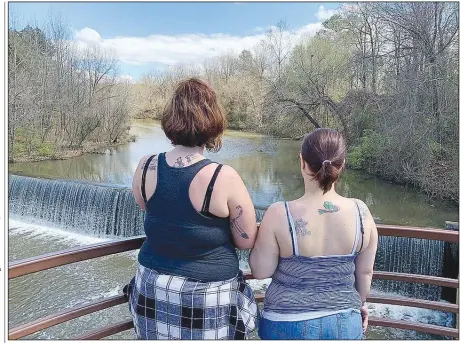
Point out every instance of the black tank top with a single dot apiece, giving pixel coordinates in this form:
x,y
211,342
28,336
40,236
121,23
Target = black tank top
x,y
181,241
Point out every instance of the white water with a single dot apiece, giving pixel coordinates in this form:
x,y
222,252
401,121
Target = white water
x,y
35,230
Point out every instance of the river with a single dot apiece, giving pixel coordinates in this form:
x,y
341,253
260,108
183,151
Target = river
x,y
270,170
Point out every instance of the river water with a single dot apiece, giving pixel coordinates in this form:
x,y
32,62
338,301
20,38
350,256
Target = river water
x,y
270,170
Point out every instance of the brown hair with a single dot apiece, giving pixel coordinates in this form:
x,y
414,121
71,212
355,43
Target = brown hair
x,y
324,151
194,117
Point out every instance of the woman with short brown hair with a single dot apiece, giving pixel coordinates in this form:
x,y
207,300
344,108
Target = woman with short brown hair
x,y
319,250
188,284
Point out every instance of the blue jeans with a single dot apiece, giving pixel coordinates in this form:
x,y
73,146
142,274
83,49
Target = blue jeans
x,y
345,325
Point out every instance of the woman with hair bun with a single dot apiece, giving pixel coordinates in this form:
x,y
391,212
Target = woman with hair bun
x,y
319,250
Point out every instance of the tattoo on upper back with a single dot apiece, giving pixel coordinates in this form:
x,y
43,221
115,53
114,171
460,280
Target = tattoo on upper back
x,y
179,163
300,227
152,165
362,208
191,157
236,225
329,207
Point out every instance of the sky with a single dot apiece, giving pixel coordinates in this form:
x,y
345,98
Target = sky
x,y
151,36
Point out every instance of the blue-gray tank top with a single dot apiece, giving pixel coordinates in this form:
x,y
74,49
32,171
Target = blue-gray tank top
x,y
305,286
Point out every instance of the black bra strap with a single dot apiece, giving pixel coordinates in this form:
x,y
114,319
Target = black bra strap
x,y
362,227
209,190
144,174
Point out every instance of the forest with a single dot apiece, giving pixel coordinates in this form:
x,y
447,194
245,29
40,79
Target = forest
x,y
384,74
62,100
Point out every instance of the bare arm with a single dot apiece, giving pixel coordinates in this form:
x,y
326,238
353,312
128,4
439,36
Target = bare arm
x,y
365,260
242,211
265,254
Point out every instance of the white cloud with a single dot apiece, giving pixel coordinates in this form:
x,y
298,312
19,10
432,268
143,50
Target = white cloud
x,y
88,35
323,14
184,48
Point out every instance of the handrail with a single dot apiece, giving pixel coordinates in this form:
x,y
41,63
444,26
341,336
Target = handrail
x,y
107,331
417,278
55,259
407,325
64,316
419,232
67,256
373,321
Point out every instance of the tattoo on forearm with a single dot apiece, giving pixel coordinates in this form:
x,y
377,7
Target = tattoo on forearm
x,y
300,227
236,225
152,165
179,163
329,207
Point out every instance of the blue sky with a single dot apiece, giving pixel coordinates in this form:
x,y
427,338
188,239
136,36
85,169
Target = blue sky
x,y
149,36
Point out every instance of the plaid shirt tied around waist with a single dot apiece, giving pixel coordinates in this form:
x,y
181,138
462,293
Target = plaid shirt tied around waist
x,y
173,307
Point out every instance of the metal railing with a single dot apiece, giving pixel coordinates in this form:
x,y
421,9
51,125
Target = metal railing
x,y
47,261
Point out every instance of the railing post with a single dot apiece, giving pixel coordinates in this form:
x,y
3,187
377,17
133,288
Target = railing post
x,y
450,263
457,303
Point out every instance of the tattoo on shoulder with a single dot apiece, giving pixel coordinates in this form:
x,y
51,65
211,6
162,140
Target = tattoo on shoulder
x,y
235,225
152,165
329,207
362,208
179,163
300,227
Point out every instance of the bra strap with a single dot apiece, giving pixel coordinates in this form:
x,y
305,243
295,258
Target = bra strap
x,y
291,226
144,174
359,225
209,190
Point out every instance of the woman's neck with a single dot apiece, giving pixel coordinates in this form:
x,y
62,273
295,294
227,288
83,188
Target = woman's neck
x,y
183,150
313,190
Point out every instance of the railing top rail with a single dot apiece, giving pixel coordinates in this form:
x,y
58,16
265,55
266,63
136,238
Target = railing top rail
x,y
100,304
55,259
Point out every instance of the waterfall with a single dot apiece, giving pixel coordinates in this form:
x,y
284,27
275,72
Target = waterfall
x,y
109,210
409,255
81,207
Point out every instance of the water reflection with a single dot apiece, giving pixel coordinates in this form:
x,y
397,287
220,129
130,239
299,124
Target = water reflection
x,y
269,168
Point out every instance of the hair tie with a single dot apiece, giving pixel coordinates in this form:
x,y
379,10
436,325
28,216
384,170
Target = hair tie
x,y
327,162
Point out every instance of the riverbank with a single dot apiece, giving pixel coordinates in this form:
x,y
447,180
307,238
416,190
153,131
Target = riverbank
x,y
65,153
142,129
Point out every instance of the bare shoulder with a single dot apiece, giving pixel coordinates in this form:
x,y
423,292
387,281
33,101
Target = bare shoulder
x,y
230,173
365,212
274,212
367,219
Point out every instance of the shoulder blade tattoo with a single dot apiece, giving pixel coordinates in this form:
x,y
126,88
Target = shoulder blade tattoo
x,y
152,165
300,227
329,207
235,225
